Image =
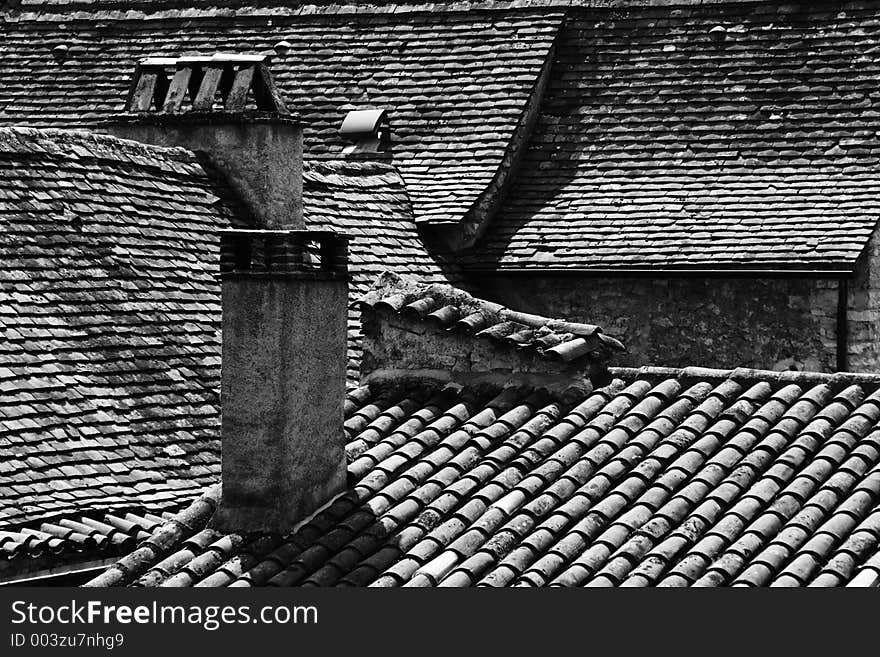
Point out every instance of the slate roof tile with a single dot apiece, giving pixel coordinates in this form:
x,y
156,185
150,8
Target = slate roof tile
x,y
454,88
111,316
106,281
658,148
640,506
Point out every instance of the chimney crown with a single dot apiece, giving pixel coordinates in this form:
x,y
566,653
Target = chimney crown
x,y
308,253
226,107
169,85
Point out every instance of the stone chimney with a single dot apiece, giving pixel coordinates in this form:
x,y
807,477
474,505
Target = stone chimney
x,y
227,107
285,295
284,288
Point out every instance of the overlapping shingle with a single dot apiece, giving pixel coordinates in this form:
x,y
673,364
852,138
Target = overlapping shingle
x,y
705,136
454,88
25,551
738,135
110,313
663,478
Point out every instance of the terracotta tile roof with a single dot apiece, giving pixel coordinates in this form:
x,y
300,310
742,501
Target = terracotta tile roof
x,y
454,310
659,147
110,363
454,88
26,551
665,477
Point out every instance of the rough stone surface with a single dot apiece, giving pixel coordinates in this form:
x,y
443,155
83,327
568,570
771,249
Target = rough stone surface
x,y
863,313
679,322
394,342
260,160
283,384
444,332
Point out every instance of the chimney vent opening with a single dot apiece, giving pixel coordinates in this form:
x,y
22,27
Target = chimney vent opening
x,y
287,251
60,52
718,33
369,130
222,82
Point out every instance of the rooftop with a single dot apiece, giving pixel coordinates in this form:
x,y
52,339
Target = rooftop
x,y
109,315
453,88
73,543
725,136
110,366
664,477
600,136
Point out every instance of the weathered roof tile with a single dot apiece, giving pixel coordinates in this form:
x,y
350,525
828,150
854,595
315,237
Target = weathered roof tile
x,y
632,517
657,147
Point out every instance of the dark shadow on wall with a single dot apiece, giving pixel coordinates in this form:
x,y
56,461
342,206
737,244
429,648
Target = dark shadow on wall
x,y
725,322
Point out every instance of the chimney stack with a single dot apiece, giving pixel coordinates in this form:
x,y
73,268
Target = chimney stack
x,y
285,296
227,107
284,288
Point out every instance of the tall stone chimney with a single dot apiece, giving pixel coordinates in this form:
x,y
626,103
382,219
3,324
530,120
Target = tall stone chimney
x,y
227,107
284,288
285,295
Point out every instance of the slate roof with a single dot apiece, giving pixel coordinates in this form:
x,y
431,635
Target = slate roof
x,y
110,313
656,144
665,477
369,202
454,88
659,147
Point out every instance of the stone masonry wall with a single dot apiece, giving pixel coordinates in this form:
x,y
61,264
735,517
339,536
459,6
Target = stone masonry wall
x,y
770,323
395,342
863,314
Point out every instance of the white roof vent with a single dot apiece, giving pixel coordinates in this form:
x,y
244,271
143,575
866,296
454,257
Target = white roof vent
x,y
718,33
367,128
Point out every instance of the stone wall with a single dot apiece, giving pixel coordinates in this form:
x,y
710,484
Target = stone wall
x,y
399,344
863,314
771,323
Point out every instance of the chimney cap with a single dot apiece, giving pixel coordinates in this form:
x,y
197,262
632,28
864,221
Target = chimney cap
x,y
362,123
60,52
160,84
217,58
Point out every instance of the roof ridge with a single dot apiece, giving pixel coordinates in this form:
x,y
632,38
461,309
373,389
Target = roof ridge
x,y
341,172
390,282
342,7
79,143
745,374
452,309
163,538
